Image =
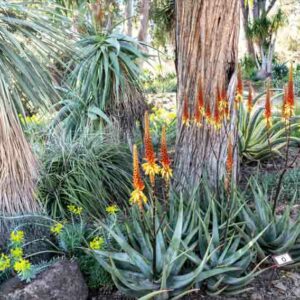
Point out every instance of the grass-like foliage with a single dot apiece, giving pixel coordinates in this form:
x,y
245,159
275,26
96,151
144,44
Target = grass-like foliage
x,y
90,172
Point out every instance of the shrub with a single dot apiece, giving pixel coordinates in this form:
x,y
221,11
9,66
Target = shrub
x,y
84,172
104,84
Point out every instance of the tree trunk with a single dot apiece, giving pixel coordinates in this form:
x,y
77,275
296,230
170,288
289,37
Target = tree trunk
x,y
206,50
245,16
128,16
145,8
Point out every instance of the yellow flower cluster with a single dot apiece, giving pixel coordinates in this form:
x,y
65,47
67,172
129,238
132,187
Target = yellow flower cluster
x,y
97,243
22,265
17,237
112,209
30,119
162,115
16,253
76,210
4,262
57,228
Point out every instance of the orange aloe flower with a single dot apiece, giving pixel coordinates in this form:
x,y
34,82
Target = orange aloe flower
x,y
250,99
268,109
229,158
229,163
166,171
208,114
290,97
150,167
137,196
201,99
197,114
185,113
217,120
239,87
223,103
286,110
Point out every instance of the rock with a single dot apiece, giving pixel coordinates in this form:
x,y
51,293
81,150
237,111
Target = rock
x,y
256,296
296,292
280,286
62,281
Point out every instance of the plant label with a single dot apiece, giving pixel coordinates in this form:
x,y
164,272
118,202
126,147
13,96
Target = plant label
x,y
282,259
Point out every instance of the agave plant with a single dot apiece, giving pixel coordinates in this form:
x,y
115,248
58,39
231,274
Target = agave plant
x,y
105,83
28,39
282,234
256,141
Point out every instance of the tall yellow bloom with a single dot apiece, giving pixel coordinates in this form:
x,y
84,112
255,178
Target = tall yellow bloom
x,y
137,195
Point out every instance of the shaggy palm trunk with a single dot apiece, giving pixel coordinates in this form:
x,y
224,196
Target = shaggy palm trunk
x,y
206,48
18,167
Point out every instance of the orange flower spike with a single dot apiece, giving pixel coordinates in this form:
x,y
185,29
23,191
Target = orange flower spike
x,y
286,111
290,91
166,170
201,99
137,196
229,163
239,87
137,180
150,167
149,150
250,99
208,114
223,103
229,159
268,109
197,114
217,121
185,113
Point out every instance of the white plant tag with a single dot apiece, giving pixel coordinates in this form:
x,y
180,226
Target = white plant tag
x,y
282,259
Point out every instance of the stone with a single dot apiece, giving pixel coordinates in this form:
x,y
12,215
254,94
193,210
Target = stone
x,y
62,281
256,296
296,292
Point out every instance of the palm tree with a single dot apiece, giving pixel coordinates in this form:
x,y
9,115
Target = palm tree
x,y
28,38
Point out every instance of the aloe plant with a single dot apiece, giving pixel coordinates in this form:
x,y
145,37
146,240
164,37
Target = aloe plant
x,y
228,249
132,269
256,142
282,234
189,251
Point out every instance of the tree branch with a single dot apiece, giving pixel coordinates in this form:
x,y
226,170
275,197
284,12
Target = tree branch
x,y
270,6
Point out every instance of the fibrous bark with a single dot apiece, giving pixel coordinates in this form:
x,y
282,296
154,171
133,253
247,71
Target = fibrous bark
x,y
206,50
